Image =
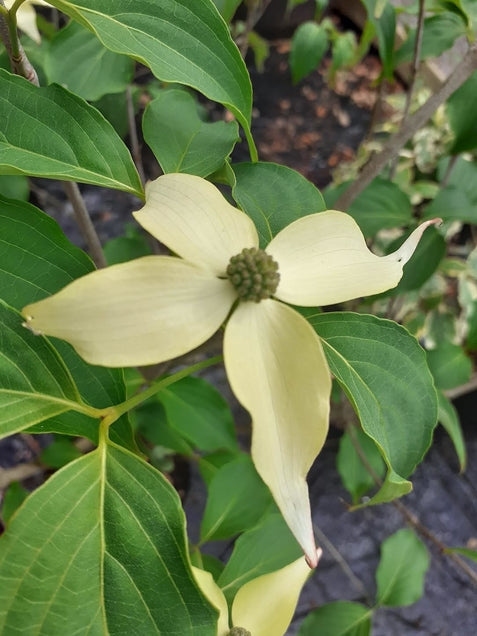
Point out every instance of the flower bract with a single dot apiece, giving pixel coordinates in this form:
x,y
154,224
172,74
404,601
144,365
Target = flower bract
x,y
159,307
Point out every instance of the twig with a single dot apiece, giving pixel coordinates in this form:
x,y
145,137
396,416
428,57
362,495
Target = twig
x,y
18,473
254,13
376,164
84,223
416,60
463,389
450,168
411,518
19,62
336,554
135,148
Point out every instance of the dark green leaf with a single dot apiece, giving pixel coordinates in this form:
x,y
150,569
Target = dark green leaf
x,y
449,418
59,453
13,498
274,196
452,204
449,365
461,107
49,132
340,618
356,478
308,47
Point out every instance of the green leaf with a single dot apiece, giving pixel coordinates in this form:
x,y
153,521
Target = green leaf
x,y
380,206
180,41
439,34
341,618
13,498
263,549
383,16
237,500
150,422
109,548
274,196
463,176
460,108
308,46
180,140
452,204
227,8
47,390
401,570
196,410
356,478
78,61
449,365
449,418
49,132
38,260
59,453
126,248
14,187
467,552
383,371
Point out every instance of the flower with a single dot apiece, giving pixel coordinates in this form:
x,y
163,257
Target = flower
x,y
26,17
156,308
263,606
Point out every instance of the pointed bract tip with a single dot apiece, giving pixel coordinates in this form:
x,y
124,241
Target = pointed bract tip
x,y
312,560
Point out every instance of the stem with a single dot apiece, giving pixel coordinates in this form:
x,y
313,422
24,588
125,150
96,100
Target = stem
x,y
414,69
410,517
376,164
139,398
84,223
135,149
19,62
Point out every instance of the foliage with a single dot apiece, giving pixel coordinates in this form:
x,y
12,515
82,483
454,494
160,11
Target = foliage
x,y
101,547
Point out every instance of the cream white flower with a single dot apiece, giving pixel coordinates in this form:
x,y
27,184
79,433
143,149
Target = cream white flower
x,y
26,17
263,606
159,307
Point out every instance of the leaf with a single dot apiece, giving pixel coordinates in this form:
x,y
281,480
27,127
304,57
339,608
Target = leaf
x,y
227,8
49,132
46,391
59,453
383,371
237,500
452,204
263,549
180,41
460,108
341,618
180,140
463,176
274,196
196,410
308,46
439,34
150,422
13,497
14,187
449,418
356,478
380,206
401,570
467,552
449,365
78,61
109,548
384,22
38,260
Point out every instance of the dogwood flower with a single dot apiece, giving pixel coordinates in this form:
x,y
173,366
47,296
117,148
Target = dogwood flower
x,y
26,17
156,308
263,606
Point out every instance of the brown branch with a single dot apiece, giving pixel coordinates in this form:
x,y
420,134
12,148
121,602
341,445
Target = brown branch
x,y
84,223
376,164
19,62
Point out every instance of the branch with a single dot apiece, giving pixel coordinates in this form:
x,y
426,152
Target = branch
x,y
19,62
376,164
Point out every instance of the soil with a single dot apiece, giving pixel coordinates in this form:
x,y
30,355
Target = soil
x,y
312,128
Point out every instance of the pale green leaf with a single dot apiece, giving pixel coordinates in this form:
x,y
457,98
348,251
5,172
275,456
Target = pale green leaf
x,y
340,618
449,418
180,140
467,552
49,132
274,196
402,569
106,555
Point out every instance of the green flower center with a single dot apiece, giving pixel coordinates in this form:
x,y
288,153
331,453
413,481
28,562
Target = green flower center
x,y
254,274
239,631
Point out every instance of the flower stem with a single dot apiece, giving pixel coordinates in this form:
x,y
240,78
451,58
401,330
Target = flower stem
x,y
112,413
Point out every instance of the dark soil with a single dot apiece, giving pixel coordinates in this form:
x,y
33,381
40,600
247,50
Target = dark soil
x,y
312,128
